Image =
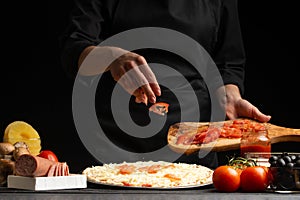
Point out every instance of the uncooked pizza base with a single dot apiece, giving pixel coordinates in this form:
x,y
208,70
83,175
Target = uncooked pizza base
x,y
150,174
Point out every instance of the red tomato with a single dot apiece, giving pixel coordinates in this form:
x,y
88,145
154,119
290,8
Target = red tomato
x,y
48,155
226,179
240,121
254,179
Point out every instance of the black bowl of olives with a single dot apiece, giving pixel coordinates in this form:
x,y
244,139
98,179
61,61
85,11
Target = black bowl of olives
x,y
285,171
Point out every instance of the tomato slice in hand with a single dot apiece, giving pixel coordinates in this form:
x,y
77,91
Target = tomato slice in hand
x,y
226,179
160,108
48,155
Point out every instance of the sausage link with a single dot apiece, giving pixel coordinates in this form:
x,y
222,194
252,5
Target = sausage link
x,y
32,166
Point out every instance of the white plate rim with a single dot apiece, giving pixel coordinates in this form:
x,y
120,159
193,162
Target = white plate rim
x,y
154,188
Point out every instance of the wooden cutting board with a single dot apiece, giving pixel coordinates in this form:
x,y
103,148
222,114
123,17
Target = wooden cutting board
x,y
276,134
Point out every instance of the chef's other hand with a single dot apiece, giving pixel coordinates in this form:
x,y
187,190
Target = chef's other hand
x,y
129,69
236,106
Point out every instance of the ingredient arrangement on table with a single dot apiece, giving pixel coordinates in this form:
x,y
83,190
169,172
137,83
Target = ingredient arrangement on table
x,y
25,165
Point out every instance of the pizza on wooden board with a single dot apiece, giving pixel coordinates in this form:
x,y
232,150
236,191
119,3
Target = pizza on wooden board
x,y
150,174
188,137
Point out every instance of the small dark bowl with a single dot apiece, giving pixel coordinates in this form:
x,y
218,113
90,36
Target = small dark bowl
x,y
284,178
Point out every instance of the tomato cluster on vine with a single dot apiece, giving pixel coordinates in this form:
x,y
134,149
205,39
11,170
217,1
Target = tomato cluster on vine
x,y
241,174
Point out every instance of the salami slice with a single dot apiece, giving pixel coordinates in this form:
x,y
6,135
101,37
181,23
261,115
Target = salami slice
x,y
62,173
59,166
67,172
51,170
30,165
65,169
56,169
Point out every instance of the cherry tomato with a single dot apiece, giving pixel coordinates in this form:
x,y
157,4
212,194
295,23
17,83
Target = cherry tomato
x,y
48,155
226,179
254,179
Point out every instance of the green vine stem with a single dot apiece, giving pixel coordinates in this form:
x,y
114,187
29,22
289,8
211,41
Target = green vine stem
x,y
240,161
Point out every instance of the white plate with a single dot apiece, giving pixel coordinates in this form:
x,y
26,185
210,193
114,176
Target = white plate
x,y
154,188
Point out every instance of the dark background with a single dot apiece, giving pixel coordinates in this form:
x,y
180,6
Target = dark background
x,y
34,87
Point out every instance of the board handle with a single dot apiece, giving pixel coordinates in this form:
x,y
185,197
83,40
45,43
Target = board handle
x,y
283,134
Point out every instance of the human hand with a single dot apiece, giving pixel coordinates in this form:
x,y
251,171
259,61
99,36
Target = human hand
x,y
133,73
235,106
129,69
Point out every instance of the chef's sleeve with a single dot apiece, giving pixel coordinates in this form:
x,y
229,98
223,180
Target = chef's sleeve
x,y
84,29
229,54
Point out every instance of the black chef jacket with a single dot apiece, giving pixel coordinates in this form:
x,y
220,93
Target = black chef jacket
x,y
214,24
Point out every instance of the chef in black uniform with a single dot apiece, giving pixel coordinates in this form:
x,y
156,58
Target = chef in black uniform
x,y
214,24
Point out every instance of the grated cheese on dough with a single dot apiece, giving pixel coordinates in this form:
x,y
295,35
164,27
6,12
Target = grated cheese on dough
x,y
158,174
